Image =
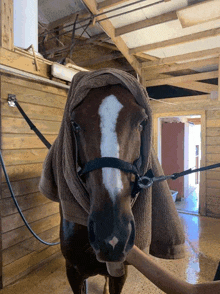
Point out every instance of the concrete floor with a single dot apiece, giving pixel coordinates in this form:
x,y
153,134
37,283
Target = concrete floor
x,y
189,204
199,265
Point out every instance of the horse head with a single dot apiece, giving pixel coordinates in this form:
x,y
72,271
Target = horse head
x,y
109,124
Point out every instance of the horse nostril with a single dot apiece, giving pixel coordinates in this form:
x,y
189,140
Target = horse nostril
x,y
131,239
92,231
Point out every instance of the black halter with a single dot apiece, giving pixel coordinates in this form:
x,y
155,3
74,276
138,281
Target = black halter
x,y
111,162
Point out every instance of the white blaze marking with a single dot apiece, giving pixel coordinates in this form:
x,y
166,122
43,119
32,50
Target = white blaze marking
x,y
109,111
113,242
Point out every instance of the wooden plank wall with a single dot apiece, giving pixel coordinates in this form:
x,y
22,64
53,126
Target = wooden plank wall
x,y
210,180
24,154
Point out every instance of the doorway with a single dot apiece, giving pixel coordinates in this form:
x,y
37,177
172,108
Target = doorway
x,y
179,148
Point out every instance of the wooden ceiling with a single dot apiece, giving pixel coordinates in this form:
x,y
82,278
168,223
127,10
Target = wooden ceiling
x,y
194,69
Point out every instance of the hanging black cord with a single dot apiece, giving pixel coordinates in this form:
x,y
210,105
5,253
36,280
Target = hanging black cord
x,y
13,102
18,208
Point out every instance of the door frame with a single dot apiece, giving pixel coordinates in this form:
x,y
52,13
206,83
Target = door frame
x,y
157,132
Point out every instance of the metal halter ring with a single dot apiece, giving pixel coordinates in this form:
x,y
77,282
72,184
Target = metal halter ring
x,y
145,182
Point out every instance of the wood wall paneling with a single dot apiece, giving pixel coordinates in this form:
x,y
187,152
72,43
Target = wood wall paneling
x,y
24,154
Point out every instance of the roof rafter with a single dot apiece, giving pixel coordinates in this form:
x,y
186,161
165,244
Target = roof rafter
x,y
176,41
109,3
100,59
181,79
182,57
190,85
146,23
180,66
68,18
109,29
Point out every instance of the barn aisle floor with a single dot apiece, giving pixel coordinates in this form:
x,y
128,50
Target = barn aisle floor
x,y
199,265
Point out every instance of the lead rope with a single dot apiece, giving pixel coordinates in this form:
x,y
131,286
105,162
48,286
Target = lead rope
x,y
13,102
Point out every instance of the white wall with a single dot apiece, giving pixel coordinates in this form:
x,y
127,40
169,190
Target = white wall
x,y
192,138
26,23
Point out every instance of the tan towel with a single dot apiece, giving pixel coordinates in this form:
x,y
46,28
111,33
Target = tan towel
x,y
158,227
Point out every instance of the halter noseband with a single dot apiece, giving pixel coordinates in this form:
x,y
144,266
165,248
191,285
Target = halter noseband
x,y
113,162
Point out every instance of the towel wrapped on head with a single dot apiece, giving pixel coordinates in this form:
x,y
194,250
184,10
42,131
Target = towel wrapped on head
x,y
158,227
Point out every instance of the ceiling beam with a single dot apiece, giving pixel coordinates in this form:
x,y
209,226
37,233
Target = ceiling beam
x,y
100,59
82,41
67,19
109,3
199,13
186,65
182,79
107,26
182,57
197,86
146,56
177,41
181,14
146,23
190,85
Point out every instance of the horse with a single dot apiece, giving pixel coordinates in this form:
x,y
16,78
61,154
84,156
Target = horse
x,y
108,124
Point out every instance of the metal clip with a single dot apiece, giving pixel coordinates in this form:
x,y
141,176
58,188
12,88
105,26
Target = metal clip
x,y
11,100
145,182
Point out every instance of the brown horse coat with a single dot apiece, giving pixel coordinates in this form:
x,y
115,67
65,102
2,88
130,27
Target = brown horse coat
x,y
158,226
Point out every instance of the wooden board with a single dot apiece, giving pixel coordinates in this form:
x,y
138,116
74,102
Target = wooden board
x,y
213,174
24,187
30,245
25,202
20,234
24,154
213,149
23,265
33,96
45,113
23,172
14,221
24,141
19,126
213,184
213,157
25,63
6,24
29,84
213,211
213,132
41,276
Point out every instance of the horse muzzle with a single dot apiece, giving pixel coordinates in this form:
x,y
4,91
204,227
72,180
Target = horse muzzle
x,y
111,243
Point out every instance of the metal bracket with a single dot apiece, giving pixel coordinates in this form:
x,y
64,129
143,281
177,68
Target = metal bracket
x,y
11,100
